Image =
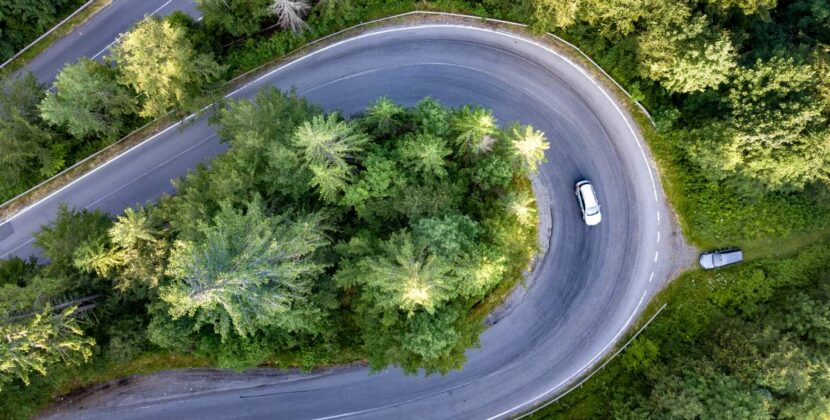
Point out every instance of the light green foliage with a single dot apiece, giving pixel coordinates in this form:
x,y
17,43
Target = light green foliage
x,y
35,343
236,17
522,206
685,53
426,154
777,137
406,276
384,118
327,144
139,251
529,147
88,101
248,271
66,239
160,63
613,19
747,7
475,130
549,15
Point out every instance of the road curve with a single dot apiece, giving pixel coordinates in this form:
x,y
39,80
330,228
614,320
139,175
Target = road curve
x,y
585,291
93,37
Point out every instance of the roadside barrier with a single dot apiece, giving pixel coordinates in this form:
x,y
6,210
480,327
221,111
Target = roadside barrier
x,y
593,372
272,62
40,38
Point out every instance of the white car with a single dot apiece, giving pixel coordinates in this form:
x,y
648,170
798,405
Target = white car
x,y
715,259
588,202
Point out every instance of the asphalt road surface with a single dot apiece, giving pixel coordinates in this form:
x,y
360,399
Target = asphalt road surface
x,y
585,291
93,37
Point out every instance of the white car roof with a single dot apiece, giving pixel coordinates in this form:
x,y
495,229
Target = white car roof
x,y
588,195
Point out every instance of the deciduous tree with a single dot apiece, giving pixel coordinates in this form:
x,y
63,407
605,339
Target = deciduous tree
x,y
160,63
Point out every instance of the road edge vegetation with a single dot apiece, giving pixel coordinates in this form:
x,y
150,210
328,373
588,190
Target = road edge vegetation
x,y
657,146
68,24
635,110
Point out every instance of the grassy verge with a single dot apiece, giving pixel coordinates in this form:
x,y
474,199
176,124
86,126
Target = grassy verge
x,y
679,187
64,29
697,301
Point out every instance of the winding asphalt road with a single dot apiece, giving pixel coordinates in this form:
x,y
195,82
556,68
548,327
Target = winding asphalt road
x,y
93,37
583,295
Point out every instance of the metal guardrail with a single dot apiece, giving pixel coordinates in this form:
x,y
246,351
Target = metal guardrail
x,y
590,375
305,46
40,38
332,35
457,15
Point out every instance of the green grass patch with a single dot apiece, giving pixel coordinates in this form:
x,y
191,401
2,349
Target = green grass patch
x,y
698,303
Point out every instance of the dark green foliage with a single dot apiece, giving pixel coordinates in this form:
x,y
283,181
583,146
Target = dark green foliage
x,y
63,239
410,249
89,101
750,342
28,150
22,21
236,17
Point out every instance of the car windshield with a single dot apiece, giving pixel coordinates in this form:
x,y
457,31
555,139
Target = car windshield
x,y
592,211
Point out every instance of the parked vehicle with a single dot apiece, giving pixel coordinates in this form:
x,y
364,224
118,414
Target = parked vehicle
x,y
715,259
588,202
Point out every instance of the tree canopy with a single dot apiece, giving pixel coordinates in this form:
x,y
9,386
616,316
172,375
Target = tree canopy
x,y
158,60
88,100
382,210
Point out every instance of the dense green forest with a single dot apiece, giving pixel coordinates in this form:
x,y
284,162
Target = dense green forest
x,y
313,238
746,342
740,93
22,21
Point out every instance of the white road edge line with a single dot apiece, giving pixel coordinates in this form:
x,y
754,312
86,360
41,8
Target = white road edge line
x,y
176,156
18,247
119,36
579,372
580,70
92,171
416,28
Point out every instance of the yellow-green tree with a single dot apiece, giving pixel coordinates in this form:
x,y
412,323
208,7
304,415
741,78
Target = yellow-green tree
x,y
159,62
40,341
